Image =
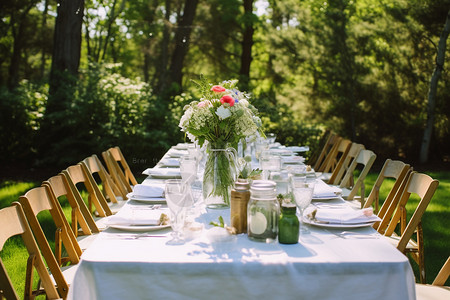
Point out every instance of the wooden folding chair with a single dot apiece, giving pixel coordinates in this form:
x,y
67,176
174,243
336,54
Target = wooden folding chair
x,y
118,168
83,224
13,222
331,142
424,186
436,290
340,150
40,199
77,175
398,171
110,190
365,158
321,144
344,163
81,218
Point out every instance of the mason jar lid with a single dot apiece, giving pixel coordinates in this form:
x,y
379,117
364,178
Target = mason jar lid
x,y
263,190
264,184
241,185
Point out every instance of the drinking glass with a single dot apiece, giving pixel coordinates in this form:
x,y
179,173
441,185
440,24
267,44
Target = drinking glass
x,y
269,163
260,146
302,190
271,137
188,169
179,199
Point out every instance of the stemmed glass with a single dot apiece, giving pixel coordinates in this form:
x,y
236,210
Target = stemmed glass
x,y
178,199
302,190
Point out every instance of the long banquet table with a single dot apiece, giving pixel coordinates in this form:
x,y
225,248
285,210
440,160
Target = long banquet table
x,y
325,264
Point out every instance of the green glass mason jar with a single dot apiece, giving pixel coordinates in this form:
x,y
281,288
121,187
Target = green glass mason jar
x,y
288,226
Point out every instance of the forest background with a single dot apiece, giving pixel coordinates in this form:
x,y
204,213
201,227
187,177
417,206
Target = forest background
x,y
77,77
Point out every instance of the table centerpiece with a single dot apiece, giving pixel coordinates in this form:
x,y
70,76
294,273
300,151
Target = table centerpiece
x,y
221,118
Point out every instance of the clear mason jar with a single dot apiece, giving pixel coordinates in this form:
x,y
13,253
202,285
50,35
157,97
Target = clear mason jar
x,y
263,211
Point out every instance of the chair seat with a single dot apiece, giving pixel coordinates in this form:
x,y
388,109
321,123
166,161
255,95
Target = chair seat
x,y
86,240
432,292
410,247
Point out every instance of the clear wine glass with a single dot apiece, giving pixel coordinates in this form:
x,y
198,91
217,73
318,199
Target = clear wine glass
x,y
302,190
178,199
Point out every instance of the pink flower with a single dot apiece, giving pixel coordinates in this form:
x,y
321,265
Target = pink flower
x,y
227,99
202,104
218,89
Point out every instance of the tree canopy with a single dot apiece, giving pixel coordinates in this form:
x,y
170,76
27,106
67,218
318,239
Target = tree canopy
x,y
359,67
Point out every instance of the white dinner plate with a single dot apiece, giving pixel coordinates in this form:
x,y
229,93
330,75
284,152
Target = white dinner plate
x,y
166,176
154,200
163,173
325,198
335,225
298,148
139,227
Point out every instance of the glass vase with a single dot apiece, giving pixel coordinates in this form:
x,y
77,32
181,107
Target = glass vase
x,y
219,176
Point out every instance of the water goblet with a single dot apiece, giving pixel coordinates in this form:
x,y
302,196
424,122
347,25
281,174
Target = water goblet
x,y
302,189
179,199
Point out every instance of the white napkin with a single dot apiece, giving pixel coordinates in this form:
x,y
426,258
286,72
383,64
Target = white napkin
x,y
323,190
177,153
172,172
130,217
148,191
346,215
170,162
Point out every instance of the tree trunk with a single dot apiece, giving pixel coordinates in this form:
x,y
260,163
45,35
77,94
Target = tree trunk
x,y
43,25
161,68
247,43
18,44
432,91
67,41
182,37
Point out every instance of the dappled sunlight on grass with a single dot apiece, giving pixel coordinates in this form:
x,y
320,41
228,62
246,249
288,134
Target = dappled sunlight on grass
x,y
10,191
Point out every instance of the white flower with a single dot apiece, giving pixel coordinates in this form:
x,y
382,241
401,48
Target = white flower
x,y
243,102
223,113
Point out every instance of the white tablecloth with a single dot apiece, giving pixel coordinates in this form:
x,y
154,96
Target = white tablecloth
x,y
322,266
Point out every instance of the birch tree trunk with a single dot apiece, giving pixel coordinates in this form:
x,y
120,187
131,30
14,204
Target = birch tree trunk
x,y
432,91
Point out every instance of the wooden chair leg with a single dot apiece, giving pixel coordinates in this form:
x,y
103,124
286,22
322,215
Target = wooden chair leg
x,y
29,277
421,256
58,246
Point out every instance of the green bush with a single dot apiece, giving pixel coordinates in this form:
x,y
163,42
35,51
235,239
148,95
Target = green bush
x,y
21,111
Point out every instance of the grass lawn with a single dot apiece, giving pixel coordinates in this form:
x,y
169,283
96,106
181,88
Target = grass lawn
x,y
436,224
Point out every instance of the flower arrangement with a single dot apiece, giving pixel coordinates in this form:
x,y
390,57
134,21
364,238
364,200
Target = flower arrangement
x,y
222,117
